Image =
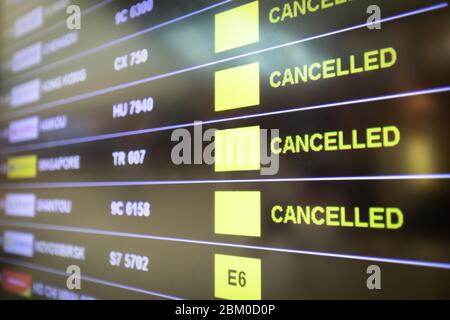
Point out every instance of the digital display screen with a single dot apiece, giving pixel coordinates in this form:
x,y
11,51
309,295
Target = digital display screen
x,y
233,150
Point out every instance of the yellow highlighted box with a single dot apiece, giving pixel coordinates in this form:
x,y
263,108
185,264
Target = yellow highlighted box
x,y
237,27
238,149
237,278
237,87
238,213
23,167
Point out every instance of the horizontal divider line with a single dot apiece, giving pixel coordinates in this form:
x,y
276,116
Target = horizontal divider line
x,y
429,264
112,43
73,141
46,269
57,185
56,103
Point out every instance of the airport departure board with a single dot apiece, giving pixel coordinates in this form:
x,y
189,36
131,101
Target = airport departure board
x,y
233,150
